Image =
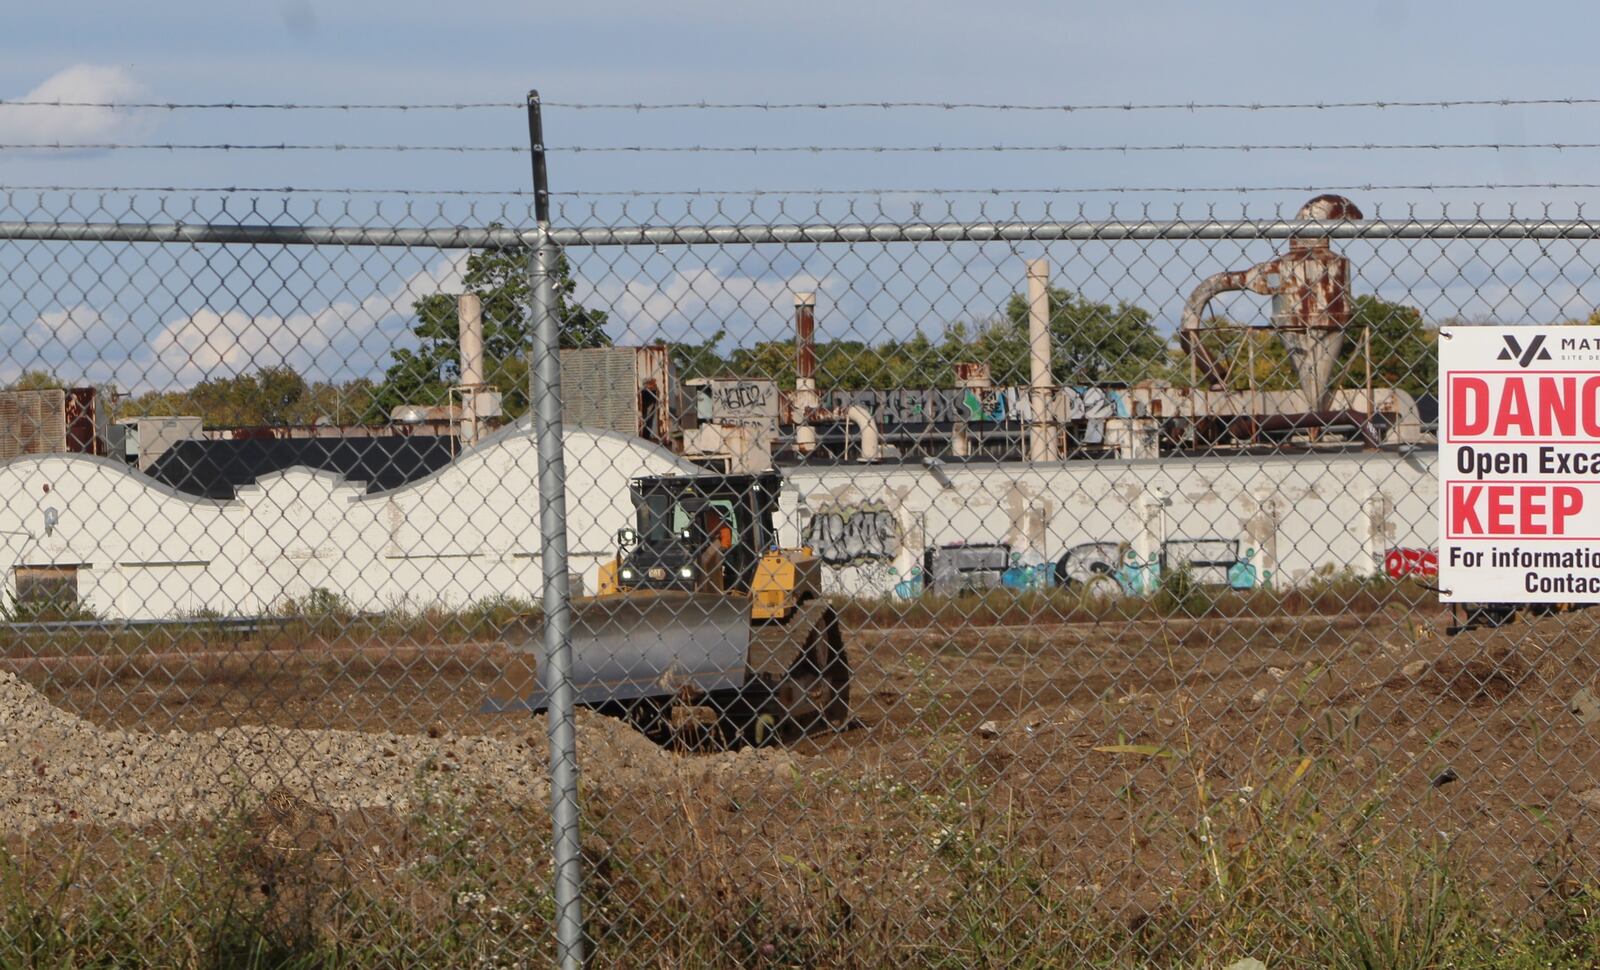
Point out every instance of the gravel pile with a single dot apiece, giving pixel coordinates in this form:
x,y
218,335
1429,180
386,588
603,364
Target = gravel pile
x,y
58,768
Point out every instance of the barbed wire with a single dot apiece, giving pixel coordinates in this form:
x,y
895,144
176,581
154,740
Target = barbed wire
x,y
738,192
253,106
799,149
885,105
264,147
1067,108
1086,190
273,190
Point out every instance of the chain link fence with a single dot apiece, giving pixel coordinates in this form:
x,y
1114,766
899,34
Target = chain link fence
x,y
962,582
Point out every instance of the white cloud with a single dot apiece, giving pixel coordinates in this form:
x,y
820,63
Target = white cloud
x,y
346,338
79,83
695,303
342,339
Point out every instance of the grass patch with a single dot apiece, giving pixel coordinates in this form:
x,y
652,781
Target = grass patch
x,y
323,617
1177,596
880,872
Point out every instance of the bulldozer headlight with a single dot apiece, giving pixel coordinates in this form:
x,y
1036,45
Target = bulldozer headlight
x,y
626,574
686,572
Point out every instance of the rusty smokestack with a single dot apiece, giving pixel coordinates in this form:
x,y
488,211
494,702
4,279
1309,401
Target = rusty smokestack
x,y
805,399
805,329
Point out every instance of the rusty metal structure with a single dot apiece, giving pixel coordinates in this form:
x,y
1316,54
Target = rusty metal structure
x,y
1311,305
55,420
805,404
629,390
804,401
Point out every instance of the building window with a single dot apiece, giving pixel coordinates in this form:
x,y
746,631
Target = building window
x,y
47,589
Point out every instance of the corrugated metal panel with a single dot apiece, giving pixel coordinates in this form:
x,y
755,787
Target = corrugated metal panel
x,y
32,422
600,389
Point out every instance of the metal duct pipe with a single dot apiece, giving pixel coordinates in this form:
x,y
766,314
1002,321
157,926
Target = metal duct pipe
x,y
469,318
1194,310
871,447
805,399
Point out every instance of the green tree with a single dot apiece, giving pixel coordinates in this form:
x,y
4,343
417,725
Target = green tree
x,y
275,396
500,279
768,359
1405,350
911,363
266,397
1253,358
1091,343
845,364
36,380
692,360
348,403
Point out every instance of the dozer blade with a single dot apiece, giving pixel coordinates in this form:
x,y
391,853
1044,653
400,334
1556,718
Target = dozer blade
x,y
640,645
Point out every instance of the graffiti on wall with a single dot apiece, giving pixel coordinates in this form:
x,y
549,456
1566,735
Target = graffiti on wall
x,y
1209,560
732,398
920,406
1106,567
845,534
1215,562
1086,560
1399,563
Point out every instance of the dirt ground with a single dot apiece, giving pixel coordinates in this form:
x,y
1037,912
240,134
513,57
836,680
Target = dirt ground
x,y
1114,753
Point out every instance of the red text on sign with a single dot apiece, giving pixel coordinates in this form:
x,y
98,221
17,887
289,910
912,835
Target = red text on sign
x,y
1521,509
1524,406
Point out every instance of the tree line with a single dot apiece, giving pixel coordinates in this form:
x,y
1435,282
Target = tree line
x,y
1092,343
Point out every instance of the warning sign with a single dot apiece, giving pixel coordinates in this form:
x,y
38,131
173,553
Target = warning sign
x,y
1519,464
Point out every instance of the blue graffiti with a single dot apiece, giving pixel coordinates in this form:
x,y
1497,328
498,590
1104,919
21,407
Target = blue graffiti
x,y
911,586
1242,574
1134,575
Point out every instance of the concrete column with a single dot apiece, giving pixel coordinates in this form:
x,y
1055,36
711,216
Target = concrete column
x,y
1043,439
469,318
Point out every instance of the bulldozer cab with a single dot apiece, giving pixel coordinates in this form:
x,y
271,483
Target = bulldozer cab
x,y
701,605
700,530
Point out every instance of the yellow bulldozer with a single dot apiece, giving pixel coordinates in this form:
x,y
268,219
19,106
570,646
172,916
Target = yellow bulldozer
x,y
702,607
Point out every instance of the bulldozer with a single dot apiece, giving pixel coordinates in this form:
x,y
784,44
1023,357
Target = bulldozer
x,y
702,608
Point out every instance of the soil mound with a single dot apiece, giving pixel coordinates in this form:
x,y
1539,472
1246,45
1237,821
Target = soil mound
x,y
58,768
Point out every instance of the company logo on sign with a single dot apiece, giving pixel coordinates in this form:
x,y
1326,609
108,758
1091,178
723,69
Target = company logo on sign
x,y
1523,356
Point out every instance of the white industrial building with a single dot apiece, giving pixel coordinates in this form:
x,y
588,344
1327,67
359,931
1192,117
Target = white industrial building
x,y
1294,517
133,548
137,549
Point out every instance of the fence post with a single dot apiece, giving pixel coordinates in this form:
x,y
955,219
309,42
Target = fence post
x,y
545,380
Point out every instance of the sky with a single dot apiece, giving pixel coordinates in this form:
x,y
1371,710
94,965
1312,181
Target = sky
x,y
147,332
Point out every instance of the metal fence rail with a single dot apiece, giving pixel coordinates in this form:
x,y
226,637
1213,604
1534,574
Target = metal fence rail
x,y
990,591
457,237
